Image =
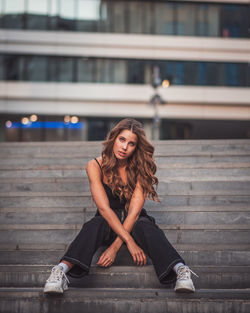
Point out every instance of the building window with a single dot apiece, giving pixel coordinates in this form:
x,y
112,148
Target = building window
x,y
139,17
66,69
120,71
86,69
37,14
67,15
13,67
13,14
36,68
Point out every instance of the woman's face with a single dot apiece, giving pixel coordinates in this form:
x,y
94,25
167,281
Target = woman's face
x,y
125,144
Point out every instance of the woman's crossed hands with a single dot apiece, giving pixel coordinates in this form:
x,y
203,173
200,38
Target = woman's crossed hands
x,y
108,256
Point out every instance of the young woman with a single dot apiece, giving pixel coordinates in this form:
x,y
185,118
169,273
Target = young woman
x,y
120,181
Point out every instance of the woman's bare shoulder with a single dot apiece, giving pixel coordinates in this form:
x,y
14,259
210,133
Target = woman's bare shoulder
x,y
93,165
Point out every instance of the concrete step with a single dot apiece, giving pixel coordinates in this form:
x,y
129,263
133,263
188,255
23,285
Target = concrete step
x,y
206,254
165,187
216,277
123,300
164,216
212,173
192,258
179,233
171,148
84,199
80,162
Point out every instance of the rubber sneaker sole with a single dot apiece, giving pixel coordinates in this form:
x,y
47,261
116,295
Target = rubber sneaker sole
x,y
184,286
53,288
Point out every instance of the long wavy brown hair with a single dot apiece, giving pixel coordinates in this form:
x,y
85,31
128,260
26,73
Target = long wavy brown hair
x,y
140,165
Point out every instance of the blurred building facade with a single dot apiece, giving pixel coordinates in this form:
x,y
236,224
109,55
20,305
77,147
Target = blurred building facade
x,y
70,69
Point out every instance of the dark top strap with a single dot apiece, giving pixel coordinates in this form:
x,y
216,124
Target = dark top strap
x,y
98,164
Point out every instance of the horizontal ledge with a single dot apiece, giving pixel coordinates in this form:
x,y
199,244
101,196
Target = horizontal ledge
x,y
180,247
131,294
189,209
44,227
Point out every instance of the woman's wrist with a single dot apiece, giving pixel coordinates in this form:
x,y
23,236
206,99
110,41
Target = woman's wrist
x,y
116,245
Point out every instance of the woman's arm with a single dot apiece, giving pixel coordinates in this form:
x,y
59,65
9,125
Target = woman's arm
x,y
137,253
134,210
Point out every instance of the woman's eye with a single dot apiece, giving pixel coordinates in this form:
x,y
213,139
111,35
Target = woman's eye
x,y
121,139
132,144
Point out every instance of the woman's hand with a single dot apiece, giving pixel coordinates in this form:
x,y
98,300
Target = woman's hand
x,y
107,258
137,253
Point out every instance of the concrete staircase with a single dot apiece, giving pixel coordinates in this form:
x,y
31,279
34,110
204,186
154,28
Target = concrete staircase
x,y
205,213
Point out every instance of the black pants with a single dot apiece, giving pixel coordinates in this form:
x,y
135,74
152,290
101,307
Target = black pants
x,y
147,235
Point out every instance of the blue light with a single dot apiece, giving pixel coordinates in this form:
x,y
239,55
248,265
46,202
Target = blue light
x,y
51,125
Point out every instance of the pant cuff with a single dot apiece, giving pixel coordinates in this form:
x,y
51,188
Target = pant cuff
x,y
78,270
169,276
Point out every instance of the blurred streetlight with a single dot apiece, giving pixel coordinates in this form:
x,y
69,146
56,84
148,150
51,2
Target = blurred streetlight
x,y
156,99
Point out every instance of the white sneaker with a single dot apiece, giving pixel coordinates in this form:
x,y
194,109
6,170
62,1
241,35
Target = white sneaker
x,y
57,282
184,282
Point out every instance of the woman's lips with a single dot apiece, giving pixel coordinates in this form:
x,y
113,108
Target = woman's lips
x,y
122,153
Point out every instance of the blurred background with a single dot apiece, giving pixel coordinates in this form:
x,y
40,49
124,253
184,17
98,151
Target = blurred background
x,y
71,69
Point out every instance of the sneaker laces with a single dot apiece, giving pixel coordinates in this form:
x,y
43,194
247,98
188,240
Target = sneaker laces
x,y
56,275
184,272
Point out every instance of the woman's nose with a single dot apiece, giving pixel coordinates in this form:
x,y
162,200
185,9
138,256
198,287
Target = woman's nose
x,y
125,145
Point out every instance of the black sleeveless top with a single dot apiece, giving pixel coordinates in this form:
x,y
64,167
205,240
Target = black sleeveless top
x,y
114,201
119,205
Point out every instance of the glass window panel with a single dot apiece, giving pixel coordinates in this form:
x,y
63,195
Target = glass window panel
x,y
135,72
201,22
53,14
1,67
234,20
213,20
186,19
201,74
1,14
231,74
97,129
168,71
148,73
215,74
190,73
119,68
147,18
14,6
53,7
179,73
88,10
134,13
37,14
106,13
36,68
103,71
67,13
88,15
53,68
86,70
164,18
119,17
247,71
66,68
67,9
13,67
39,7
14,14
